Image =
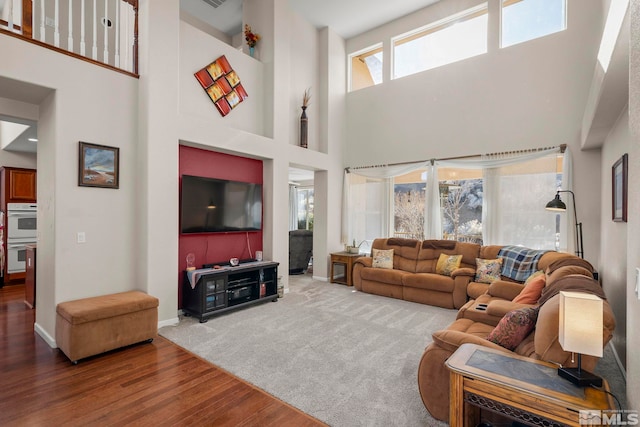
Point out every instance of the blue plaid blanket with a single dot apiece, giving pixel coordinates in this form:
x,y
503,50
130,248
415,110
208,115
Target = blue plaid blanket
x,y
518,263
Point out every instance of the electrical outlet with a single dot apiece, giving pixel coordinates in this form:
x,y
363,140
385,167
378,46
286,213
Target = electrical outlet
x,y
637,282
81,237
49,22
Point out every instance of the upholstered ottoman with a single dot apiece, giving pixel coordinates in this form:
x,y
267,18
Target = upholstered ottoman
x,y
91,326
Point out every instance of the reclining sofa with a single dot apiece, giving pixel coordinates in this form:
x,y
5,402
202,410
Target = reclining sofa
x,y
481,306
414,277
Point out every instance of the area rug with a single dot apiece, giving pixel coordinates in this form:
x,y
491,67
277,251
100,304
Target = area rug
x,y
347,358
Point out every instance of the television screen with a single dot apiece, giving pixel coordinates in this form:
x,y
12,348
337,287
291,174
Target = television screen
x,y
211,205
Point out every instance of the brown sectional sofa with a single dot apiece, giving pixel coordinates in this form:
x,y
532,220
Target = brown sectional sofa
x,y
413,278
473,326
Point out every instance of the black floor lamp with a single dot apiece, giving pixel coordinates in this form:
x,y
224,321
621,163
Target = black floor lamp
x,y
558,205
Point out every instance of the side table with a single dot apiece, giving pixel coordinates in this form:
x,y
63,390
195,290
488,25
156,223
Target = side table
x,y
345,260
485,380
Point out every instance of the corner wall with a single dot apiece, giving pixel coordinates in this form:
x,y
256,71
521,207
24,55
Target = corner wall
x,y
633,226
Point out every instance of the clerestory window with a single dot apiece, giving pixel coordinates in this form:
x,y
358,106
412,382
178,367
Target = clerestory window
x,y
366,68
524,20
452,39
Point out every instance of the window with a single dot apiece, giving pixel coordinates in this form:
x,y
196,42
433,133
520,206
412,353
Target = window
x,y
366,68
455,38
305,208
503,205
524,20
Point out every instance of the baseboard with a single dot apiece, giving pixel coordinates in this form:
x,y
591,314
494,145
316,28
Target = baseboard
x,y
319,278
44,335
169,322
615,354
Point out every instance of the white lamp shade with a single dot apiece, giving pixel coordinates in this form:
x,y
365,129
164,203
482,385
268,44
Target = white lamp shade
x,y
580,326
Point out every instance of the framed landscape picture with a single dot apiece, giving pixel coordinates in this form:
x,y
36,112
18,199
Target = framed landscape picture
x,y
619,173
99,166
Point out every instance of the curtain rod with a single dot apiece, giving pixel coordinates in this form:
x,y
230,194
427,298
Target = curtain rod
x,y
529,150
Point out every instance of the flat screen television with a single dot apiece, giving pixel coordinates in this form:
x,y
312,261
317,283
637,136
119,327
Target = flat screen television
x,y
211,205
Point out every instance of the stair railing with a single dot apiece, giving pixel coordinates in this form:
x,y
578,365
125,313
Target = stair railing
x,y
103,31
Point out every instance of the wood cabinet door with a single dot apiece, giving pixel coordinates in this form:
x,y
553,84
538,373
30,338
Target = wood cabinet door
x,y
22,186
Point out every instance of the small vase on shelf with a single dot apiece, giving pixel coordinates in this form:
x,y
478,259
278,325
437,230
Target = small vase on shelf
x,y
252,51
304,123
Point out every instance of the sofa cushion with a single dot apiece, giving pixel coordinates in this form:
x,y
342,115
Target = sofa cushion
x,y
431,281
463,331
388,276
447,263
405,252
488,270
566,271
532,291
514,327
382,258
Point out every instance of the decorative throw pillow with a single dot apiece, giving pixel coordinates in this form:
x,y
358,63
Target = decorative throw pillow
x,y
532,291
447,263
488,270
382,258
514,327
533,276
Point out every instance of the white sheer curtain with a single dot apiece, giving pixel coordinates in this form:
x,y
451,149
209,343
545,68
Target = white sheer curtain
x,y
513,201
368,197
293,207
567,220
432,212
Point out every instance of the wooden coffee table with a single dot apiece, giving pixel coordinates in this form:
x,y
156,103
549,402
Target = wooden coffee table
x,y
521,389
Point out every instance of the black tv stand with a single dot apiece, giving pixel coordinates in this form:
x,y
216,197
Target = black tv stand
x,y
217,291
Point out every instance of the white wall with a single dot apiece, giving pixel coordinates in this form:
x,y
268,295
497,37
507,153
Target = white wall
x,y
613,250
633,225
89,104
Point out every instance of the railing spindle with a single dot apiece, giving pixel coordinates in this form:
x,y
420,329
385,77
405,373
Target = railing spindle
x,y
105,22
43,32
10,17
83,45
94,52
117,44
56,28
70,24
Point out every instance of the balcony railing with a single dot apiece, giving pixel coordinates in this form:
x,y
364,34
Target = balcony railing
x,y
101,31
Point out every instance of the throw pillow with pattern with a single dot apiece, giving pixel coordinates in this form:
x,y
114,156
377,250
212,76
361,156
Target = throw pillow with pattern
x,y
488,270
514,327
447,263
382,258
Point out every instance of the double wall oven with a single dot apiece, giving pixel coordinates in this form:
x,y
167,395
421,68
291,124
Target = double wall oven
x,y
21,231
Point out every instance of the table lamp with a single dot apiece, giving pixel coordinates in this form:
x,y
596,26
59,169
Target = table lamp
x,y
580,331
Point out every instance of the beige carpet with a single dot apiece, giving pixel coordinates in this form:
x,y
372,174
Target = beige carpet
x,y
345,357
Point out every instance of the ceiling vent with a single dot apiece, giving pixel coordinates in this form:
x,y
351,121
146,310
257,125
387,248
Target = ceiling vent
x,y
214,3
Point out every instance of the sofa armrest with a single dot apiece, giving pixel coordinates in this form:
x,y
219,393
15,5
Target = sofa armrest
x,y
366,261
501,307
450,340
505,290
470,272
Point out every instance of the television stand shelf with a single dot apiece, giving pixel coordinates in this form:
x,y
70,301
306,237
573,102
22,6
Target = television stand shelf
x,y
208,292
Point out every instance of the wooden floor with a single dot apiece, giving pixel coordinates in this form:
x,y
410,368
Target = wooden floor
x,y
156,384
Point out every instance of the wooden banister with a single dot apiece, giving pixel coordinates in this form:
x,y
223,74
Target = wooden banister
x,y
25,31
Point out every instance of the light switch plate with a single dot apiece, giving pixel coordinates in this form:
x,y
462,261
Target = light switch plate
x,y
637,282
81,237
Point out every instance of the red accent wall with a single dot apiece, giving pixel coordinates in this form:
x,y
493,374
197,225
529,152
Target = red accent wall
x,y
216,247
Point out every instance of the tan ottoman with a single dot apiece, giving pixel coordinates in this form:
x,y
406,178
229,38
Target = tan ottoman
x,y
91,326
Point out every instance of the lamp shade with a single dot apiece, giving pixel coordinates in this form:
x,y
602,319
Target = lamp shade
x,y
580,326
556,204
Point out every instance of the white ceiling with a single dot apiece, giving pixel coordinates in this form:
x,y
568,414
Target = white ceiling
x,y
347,18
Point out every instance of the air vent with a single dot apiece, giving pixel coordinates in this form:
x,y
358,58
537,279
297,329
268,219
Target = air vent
x,y
214,3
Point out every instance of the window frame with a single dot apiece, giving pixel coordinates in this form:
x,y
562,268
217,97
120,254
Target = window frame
x,y
360,55
439,25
